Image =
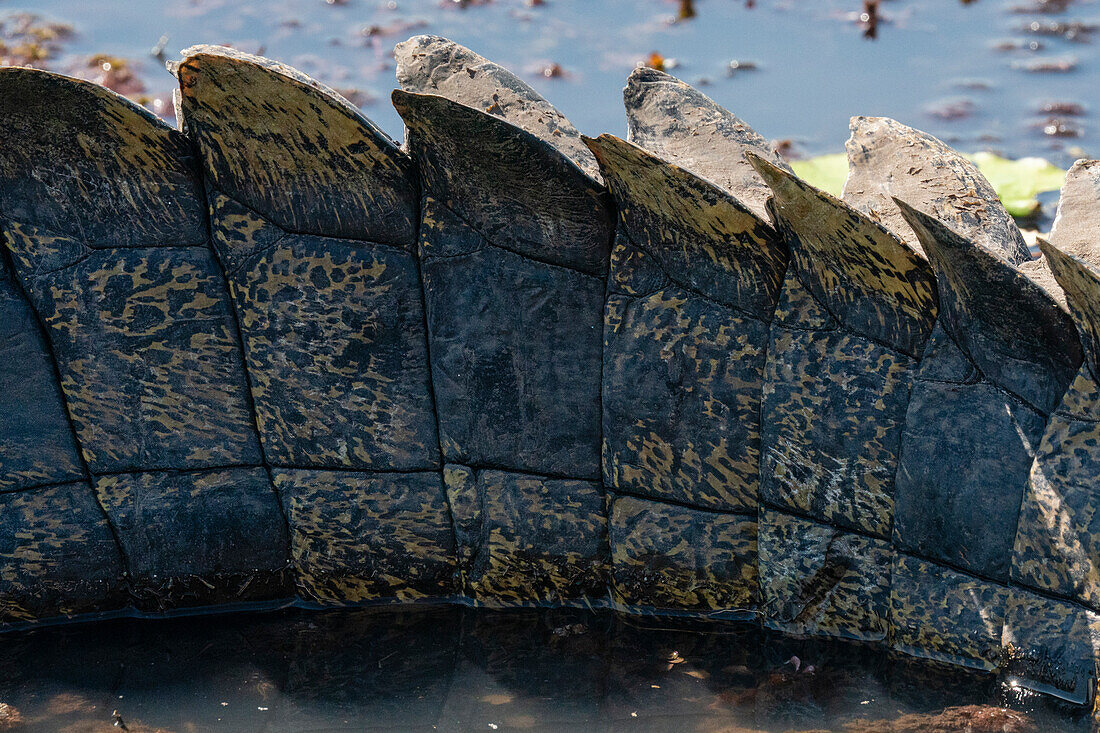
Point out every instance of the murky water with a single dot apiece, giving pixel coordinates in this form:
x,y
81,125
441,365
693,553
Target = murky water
x,y
965,70
437,668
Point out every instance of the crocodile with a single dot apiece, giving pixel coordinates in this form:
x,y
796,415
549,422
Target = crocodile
x,y
274,356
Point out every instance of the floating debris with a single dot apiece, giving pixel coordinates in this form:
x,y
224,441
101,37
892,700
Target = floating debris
x,y
1053,65
552,71
1059,127
869,19
1042,6
951,109
1072,109
358,97
786,149
1018,44
733,67
400,27
1071,31
659,62
976,85
113,72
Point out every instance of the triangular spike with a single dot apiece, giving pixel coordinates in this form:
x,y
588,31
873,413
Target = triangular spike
x,y
1080,280
113,250
1009,327
294,151
515,189
435,65
314,215
514,250
86,163
701,236
693,286
1076,229
682,125
855,268
1075,226
888,159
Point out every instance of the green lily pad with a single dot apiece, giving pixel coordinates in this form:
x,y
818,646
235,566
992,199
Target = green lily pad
x,y
1017,182
827,172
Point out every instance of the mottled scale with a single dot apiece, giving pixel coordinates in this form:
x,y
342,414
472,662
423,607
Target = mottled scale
x,y
526,539
671,559
939,613
1002,355
1050,646
514,247
116,260
313,215
314,219
855,311
818,580
1057,542
514,244
358,537
195,538
694,281
134,304
36,440
294,150
58,558
147,348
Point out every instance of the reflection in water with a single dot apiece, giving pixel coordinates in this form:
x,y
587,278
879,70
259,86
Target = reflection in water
x,y
448,668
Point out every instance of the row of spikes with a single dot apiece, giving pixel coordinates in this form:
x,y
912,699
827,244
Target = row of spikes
x,y
86,164
919,240
308,161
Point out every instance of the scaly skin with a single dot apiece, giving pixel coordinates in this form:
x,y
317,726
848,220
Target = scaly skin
x,y
273,357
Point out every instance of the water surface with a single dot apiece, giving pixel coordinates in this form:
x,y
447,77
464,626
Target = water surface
x,y
958,68
455,669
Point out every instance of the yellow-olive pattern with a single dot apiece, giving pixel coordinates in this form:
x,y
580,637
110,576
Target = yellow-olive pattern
x,y
274,357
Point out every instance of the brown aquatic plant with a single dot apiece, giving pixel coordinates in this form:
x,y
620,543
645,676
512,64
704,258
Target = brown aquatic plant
x,y
869,18
655,61
27,39
961,719
10,717
113,72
